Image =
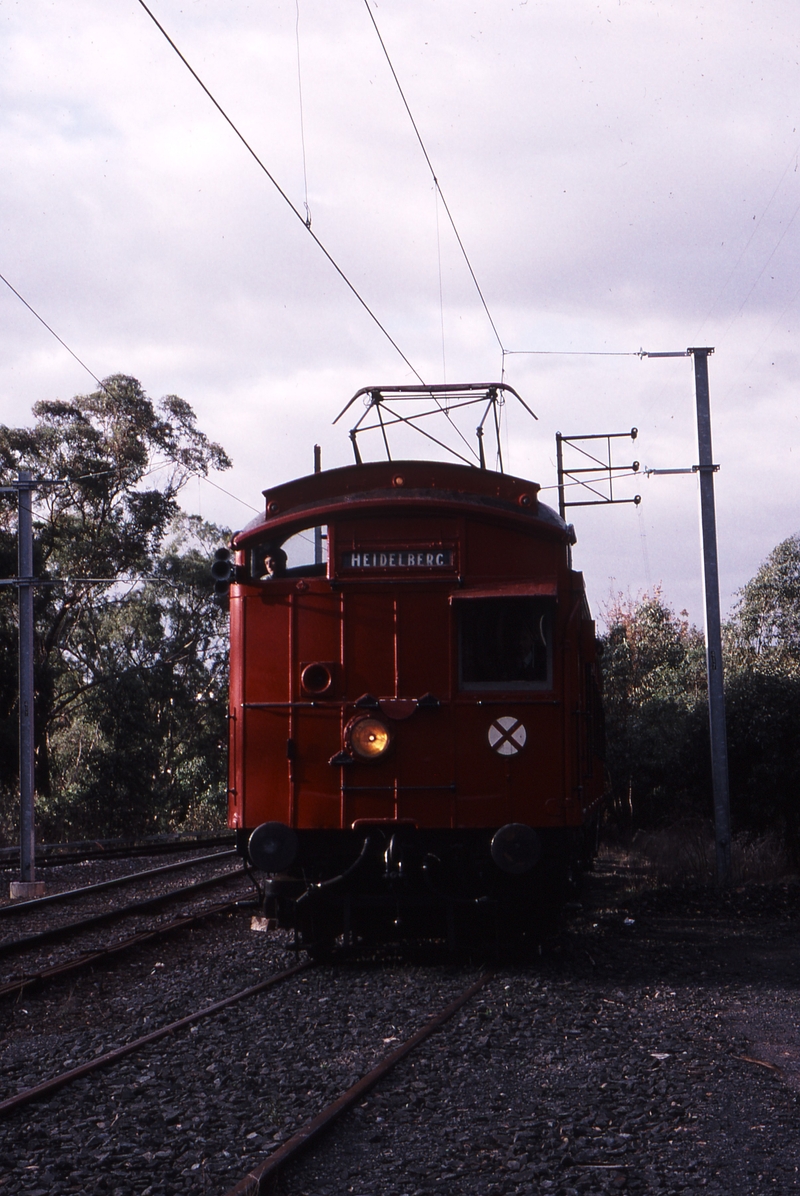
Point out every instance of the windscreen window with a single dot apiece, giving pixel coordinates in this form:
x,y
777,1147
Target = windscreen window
x,y
505,643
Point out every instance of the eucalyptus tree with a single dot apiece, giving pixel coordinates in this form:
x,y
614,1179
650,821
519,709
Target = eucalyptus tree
x,y
120,461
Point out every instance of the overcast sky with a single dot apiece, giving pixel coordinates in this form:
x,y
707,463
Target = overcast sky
x,y
623,175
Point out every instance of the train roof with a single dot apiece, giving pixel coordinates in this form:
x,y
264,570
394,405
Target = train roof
x,y
408,486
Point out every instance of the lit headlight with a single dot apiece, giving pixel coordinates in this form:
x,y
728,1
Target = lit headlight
x,y
368,737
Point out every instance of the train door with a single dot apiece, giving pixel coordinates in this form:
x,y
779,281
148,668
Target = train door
x,y
426,762
397,664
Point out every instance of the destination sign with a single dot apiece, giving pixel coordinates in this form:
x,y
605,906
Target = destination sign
x,y
399,558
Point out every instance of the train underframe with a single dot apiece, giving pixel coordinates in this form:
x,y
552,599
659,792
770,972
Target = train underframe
x,y
403,884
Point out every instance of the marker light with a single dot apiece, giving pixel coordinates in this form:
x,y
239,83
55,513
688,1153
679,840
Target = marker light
x,y
272,847
516,848
369,738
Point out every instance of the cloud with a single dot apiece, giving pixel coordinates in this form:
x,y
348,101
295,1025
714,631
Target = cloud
x,y
622,174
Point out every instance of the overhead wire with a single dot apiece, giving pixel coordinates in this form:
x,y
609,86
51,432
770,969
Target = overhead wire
x,y
433,176
440,194
302,123
656,400
306,224
229,493
441,289
772,329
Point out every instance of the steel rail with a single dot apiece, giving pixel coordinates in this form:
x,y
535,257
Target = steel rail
x,y
101,885
256,1181
52,854
79,962
52,1085
133,907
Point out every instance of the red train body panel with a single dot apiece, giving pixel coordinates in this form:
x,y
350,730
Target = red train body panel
x,y
447,617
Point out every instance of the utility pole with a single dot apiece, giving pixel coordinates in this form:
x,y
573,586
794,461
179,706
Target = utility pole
x,y
713,621
716,688
27,886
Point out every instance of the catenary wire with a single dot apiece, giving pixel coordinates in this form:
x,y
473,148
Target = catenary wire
x,y
281,192
769,334
433,175
441,290
302,123
203,478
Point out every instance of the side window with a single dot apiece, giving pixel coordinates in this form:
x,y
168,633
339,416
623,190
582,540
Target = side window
x,y
505,643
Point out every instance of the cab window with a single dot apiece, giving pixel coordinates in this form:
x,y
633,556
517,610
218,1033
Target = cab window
x,y
294,557
505,643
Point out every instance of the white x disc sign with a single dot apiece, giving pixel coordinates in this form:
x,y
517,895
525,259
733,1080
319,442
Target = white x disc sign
x,y
507,735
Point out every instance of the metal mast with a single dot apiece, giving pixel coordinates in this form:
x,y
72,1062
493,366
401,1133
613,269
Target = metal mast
x,y
708,532
716,690
27,848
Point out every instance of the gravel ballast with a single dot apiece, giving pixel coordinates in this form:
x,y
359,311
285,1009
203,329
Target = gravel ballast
x,y
653,1047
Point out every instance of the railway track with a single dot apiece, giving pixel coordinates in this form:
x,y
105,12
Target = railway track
x,y
623,1072
51,855
20,908
259,1178
62,930
256,1180
305,996
90,959
61,949
54,1083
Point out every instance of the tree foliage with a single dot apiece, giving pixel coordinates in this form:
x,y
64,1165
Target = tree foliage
x,y
129,648
657,715
653,669
764,633
763,697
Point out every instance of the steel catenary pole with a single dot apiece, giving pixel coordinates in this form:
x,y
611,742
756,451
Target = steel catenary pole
x,y
716,691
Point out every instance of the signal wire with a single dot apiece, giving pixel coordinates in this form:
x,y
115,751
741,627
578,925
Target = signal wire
x,y
306,223
433,176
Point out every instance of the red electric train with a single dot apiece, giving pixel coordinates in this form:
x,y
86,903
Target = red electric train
x,y
415,723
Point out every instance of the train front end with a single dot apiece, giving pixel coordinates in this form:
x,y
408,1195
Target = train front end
x,y
415,744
